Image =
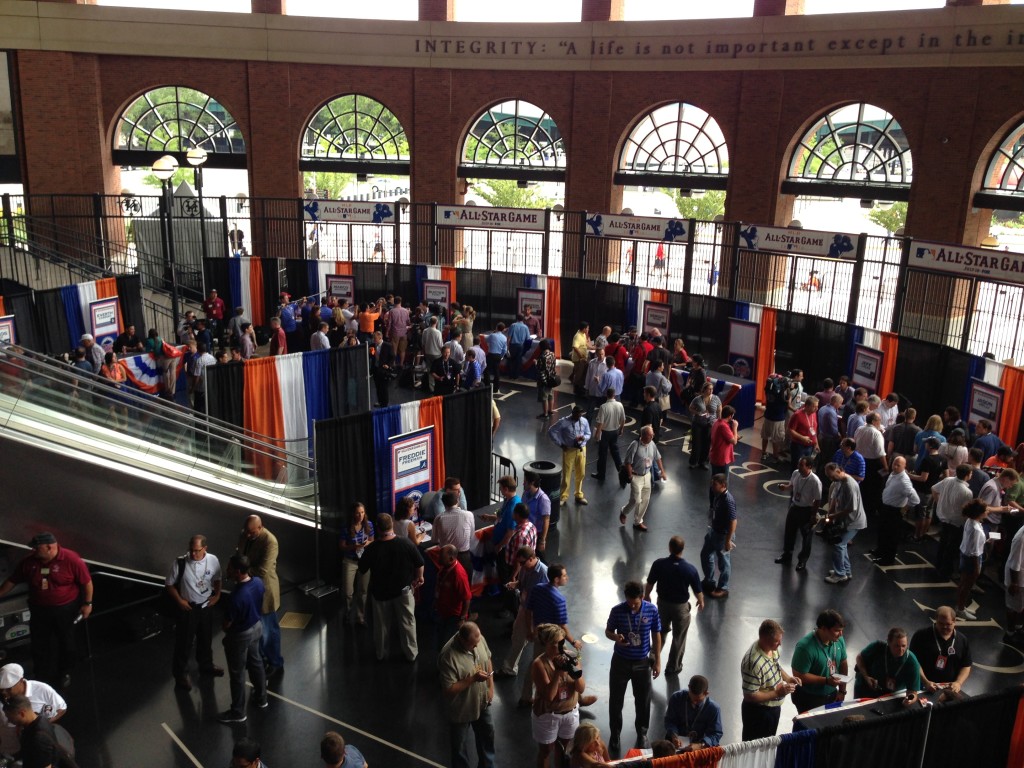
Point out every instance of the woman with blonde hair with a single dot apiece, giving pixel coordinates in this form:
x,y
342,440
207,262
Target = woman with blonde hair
x,y
932,428
465,324
588,748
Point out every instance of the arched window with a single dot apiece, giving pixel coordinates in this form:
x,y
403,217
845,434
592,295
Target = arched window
x,y
514,140
172,120
355,133
858,150
1003,185
675,145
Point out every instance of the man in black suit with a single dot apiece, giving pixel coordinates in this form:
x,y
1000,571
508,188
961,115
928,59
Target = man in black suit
x,y
382,363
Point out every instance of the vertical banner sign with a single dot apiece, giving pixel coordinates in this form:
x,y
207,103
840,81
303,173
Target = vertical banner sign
x,y
103,317
534,299
412,461
656,315
7,334
743,338
984,402
341,287
867,367
437,292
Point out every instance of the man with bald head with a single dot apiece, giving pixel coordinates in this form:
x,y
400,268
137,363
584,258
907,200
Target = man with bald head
x,y
898,493
467,683
943,652
641,457
260,546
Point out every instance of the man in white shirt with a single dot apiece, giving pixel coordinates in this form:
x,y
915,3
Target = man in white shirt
x,y
319,339
889,409
898,493
193,585
949,495
611,419
871,445
431,342
1013,580
455,526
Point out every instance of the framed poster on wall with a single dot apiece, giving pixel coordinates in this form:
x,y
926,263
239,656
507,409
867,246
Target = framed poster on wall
x,y
7,333
437,292
105,321
656,315
534,299
867,367
984,401
341,287
743,338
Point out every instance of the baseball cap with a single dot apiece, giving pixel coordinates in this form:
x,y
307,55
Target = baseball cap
x,y
42,538
86,337
577,409
11,675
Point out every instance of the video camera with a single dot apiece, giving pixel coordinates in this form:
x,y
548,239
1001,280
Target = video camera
x,y
568,660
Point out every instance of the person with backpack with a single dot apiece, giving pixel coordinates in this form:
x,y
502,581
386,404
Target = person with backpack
x,y
773,424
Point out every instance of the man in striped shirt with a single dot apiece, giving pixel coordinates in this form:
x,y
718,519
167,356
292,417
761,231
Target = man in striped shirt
x,y
635,627
546,605
765,683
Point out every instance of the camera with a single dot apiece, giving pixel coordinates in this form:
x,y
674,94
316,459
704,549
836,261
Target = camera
x,y
568,660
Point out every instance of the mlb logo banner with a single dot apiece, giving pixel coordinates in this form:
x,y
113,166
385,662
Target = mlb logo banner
x,y
833,245
483,217
967,261
635,227
348,210
412,462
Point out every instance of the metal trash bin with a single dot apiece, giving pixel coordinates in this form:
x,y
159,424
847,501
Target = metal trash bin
x,y
550,475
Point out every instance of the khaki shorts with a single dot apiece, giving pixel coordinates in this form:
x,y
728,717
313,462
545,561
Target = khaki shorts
x,y
773,431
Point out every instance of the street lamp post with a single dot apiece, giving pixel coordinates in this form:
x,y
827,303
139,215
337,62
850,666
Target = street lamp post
x,y
196,158
164,169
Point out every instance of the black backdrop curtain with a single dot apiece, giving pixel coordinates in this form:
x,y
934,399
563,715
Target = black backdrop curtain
x,y
225,391
350,387
129,295
52,322
215,276
18,302
371,282
296,278
973,732
890,741
467,443
271,286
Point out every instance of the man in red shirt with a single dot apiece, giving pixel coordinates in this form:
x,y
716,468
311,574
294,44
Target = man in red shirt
x,y
451,594
278,340
803,432
214,309
59,591
617,350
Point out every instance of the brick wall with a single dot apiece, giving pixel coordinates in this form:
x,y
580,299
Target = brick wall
x,y
952,117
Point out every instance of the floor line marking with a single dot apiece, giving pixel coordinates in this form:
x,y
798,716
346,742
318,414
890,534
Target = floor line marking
x,y
181,745
360,731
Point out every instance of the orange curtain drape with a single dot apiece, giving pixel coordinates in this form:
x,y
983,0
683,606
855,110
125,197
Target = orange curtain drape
x,y
2,310
765,349
1012,383
1016,757
262,412
343,267
553,313
659,296
256,302
702,758
449,275
432,414
890,345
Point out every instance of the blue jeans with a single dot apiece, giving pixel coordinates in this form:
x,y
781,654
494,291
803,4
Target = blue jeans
x,y
270,643
483,732
841,556
242,651
712,551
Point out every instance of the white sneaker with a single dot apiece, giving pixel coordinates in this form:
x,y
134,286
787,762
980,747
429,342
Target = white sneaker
x,y
836,579
964,615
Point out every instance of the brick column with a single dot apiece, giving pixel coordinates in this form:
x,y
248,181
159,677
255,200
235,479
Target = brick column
x,y
437,10
601,10
778,7
275,7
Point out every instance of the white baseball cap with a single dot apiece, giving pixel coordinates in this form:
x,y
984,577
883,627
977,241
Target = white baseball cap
x,y
11,675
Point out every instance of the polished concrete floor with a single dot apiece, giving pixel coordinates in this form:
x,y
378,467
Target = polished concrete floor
x,y
124,711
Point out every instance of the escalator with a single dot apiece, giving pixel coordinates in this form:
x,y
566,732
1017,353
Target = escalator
x,y
125,478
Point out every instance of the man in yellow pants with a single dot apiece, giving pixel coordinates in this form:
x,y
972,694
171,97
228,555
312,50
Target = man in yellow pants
x,y
571,434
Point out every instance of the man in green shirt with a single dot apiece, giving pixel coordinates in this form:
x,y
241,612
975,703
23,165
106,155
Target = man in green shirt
x,y
467,682
819,660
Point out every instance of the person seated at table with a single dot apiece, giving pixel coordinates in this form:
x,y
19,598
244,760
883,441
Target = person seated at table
x,y
452,484
886,667
662,748
588,748
405,528
694,716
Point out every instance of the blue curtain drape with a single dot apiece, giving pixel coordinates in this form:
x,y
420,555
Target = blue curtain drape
x,y
421,275
313,278
234,297
797,750
632,308
856,337
742,310
72,312
387,422
975,370
316,379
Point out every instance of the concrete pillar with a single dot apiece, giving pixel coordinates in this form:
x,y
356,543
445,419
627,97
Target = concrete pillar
x,y
778,7
437,10
275,7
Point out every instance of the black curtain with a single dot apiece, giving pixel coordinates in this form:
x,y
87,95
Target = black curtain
x,y
974,732
350,389
271,286
467,442
796,333
890,741
52,323
225,392
405,285
371,282
296,276
215,276
129,295
916,365
345,467
18,302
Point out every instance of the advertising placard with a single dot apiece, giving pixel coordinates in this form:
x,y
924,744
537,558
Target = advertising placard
x,y
341,287
834,245
7,332
412,464
967,261
104,319
657,315
484,217
635,227
355,211
743,337
984,402
437,292
867,367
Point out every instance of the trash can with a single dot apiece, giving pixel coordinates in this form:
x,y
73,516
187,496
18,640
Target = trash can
x,y
550,475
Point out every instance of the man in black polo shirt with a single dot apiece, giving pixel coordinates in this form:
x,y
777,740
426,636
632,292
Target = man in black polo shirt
x,y
39,747
674,578
943,653
396,570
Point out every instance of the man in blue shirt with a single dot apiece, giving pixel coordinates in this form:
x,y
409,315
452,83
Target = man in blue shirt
x,y
849,460
518,335
540,508
828,425
675,579
986,440
337,754
718,542
530,572
497,348
635,627
571,434
242,631
612,378
694,716
546,605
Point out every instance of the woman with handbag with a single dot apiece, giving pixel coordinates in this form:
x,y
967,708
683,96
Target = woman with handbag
x,y
656,378
547,380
